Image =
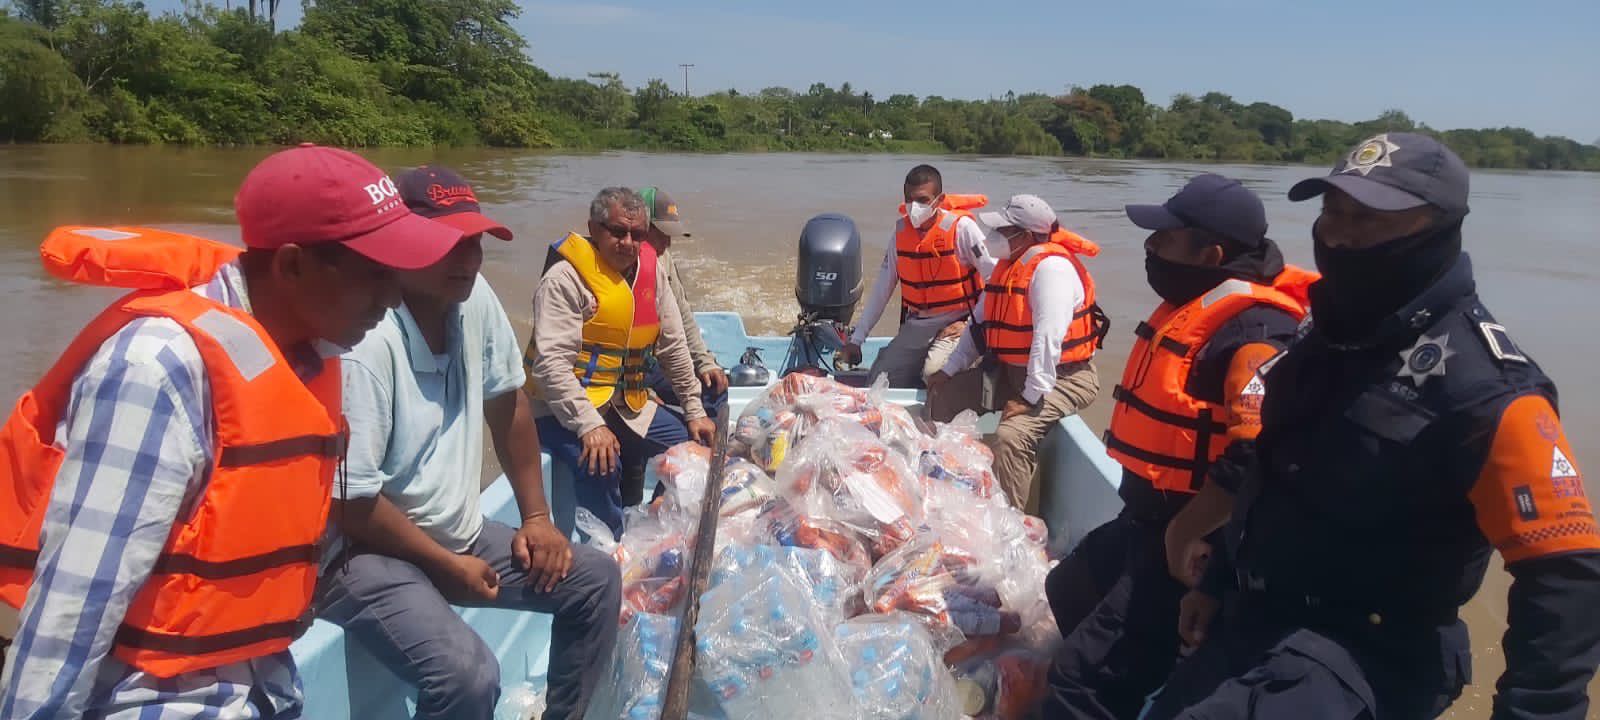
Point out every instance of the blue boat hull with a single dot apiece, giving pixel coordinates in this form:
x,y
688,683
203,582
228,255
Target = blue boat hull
x,y
342,680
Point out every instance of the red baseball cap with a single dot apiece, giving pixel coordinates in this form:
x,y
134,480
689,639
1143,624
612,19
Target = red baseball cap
x,y
310,195
442,195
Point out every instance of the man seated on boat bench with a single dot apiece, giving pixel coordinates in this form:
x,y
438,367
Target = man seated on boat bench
x,y
938,258
666,224
602,310
414,391
1188,411
1038,327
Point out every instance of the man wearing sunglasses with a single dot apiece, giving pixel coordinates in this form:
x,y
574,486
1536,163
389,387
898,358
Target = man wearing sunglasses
x,y
603,310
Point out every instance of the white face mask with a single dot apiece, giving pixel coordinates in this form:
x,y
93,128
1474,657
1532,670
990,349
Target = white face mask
x,y
918,213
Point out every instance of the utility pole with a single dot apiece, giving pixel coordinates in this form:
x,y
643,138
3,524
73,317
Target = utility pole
x,y
686,67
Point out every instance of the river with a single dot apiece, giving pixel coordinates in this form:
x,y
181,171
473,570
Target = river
x,y
1534,237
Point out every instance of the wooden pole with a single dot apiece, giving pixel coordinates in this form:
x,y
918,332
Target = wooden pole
x,y
681,675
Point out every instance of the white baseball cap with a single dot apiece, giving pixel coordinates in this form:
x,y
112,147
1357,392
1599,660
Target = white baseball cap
x,y
1028,212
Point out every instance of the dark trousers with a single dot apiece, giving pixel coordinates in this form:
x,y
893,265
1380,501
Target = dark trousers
x,y
1117,608
714,402
1255,664
604,495
394,610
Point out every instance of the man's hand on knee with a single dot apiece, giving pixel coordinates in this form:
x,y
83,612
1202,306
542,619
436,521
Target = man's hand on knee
x,y
1014,408
543,551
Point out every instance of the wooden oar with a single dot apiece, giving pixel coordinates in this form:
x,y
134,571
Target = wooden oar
x,y
681,676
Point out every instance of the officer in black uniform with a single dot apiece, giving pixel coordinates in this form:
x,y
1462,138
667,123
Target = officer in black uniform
x,y
1404,436
1113,597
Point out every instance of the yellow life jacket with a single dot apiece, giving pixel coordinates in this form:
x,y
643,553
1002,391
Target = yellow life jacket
x,y
619,339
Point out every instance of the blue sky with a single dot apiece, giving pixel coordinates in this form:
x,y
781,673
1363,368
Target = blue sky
x,y
1449,63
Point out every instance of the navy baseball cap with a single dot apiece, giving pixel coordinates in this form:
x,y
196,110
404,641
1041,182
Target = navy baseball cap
x,y
1396,171
445,197
1211,202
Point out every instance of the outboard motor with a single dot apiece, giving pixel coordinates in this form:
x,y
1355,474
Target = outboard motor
x,y
750,372
827,285
828,274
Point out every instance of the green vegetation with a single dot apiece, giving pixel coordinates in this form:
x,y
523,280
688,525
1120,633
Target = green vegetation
x,y
455,72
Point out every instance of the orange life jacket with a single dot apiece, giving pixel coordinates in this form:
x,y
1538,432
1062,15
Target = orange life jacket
x,y
1008,319
932,278
1160,431
235,578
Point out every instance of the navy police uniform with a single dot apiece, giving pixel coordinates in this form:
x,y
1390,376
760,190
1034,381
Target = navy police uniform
x,y
1113,597
1387,471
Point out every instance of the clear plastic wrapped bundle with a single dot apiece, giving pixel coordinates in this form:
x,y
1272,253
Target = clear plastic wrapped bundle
x,y
635,683
845,473
831,585
781,522
766,652
924,578
895,670
653,559
682,471
1007,685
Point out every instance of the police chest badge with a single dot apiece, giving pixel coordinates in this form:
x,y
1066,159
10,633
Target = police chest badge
x,y
1426,358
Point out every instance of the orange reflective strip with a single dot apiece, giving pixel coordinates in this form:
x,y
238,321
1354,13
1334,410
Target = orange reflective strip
x,y
1529,497
1243,391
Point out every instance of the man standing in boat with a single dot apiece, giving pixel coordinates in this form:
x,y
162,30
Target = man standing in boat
x,y
938,258
603,310
1404,436
666,224
167,483
1187,414
418,392
1038,327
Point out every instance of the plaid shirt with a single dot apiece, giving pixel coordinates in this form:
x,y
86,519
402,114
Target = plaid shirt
x,y
138,438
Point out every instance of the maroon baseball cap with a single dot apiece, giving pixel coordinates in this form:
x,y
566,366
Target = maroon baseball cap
x,y
310,195
444,196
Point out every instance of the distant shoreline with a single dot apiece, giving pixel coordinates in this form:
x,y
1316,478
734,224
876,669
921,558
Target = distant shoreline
x,y
359,74
578,151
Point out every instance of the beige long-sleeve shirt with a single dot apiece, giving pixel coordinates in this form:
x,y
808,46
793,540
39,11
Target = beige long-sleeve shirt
x,y
561,305
703,359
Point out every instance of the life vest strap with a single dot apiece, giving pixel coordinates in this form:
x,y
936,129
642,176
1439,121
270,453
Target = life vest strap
x,y
1005,290
925,284
937,305
142,639
1133,401
12,556
299,446
1146,331
925,254
1154,458
640,355
220,569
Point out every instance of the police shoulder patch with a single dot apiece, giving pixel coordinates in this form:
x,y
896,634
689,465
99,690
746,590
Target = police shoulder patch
x,y
1500,343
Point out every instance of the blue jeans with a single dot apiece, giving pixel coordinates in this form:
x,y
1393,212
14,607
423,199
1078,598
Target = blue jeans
x,y
714,402
394,610
602,494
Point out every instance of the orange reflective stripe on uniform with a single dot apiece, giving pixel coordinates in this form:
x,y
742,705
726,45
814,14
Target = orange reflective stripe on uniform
x,y
236,576
1159,431
1007,323
933,279
1243,390
1529,497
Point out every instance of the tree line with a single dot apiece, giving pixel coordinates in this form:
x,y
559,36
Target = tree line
x,y
455,72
